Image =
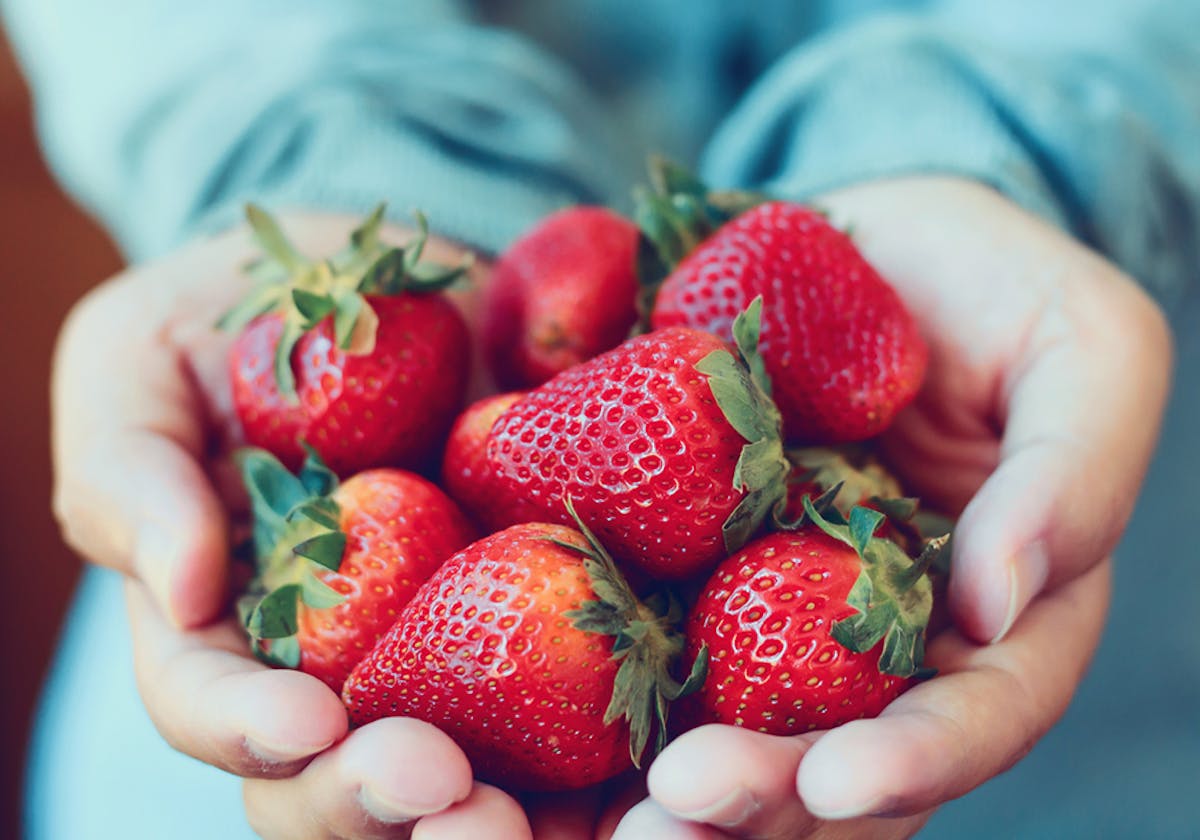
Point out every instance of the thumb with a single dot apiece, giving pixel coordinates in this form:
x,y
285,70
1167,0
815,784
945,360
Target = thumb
x,y
130,491
1081,415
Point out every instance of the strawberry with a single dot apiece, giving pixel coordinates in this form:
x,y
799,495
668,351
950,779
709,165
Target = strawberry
x,y
358,355
812,628
561,294
668,444
843,351
529,649
336,563
465,461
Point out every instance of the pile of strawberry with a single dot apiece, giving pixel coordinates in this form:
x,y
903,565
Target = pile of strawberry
x,y
687,513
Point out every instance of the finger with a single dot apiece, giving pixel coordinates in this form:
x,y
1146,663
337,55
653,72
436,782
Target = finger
x,y
486,812
649,819
210,700
738,780
975,719
1074,451
375,784
128,444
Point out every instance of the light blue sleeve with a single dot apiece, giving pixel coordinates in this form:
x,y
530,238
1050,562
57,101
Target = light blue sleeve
x,y
162,116
1086,112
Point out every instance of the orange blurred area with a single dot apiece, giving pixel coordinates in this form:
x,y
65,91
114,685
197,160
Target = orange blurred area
x,y
52,253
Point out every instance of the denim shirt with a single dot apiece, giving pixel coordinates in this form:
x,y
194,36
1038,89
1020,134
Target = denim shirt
x,y
163,117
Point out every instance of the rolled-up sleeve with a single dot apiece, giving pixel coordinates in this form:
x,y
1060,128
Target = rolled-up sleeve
x,y
1086,113
162,117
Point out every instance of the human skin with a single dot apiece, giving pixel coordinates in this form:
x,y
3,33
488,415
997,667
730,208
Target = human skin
x,y
1048,374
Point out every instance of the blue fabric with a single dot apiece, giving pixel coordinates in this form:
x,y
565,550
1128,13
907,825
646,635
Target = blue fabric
x,y
164,117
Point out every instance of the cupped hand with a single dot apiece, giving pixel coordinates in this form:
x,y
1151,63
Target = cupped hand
x,y
142,431
1048,374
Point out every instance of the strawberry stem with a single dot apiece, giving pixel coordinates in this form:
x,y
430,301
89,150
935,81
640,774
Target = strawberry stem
x,y
645,641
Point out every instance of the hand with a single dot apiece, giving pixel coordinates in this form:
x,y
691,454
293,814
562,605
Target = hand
x,y
1048,374
142,423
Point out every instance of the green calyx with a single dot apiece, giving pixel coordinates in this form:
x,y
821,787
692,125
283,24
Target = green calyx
x,y
296,534
743,392
307,291
675,213
892,596
858,475
645,642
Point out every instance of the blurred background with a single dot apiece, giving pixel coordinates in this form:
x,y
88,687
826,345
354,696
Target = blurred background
x,y
51,254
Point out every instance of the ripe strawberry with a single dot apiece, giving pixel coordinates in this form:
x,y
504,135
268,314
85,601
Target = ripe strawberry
x,y
529,650
465,461
668,444
561,294
812,628
843,351
335,564
359,355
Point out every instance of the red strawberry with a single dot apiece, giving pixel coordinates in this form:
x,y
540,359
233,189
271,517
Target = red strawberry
x,y
560,295
810,629
843,351
359,355
337,563
528,649
668,444
465,462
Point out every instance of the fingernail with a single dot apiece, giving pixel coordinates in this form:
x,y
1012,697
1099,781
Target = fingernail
x,y
275,753
385,809
154,559
1027,572
734,809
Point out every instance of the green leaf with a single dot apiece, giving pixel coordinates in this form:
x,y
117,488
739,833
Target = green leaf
x,y
271,238
315,475
597,617
654,215
284,653
743,523
729,204
903,650
416,247
747,327
262,300
730,386
322,511
430,277
273,493
863,522
324,549
696,676
862,631
285,379
312,306
386,275
345,317
651,271
365,237
275,615
837,532
668,178
898,510
318,594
